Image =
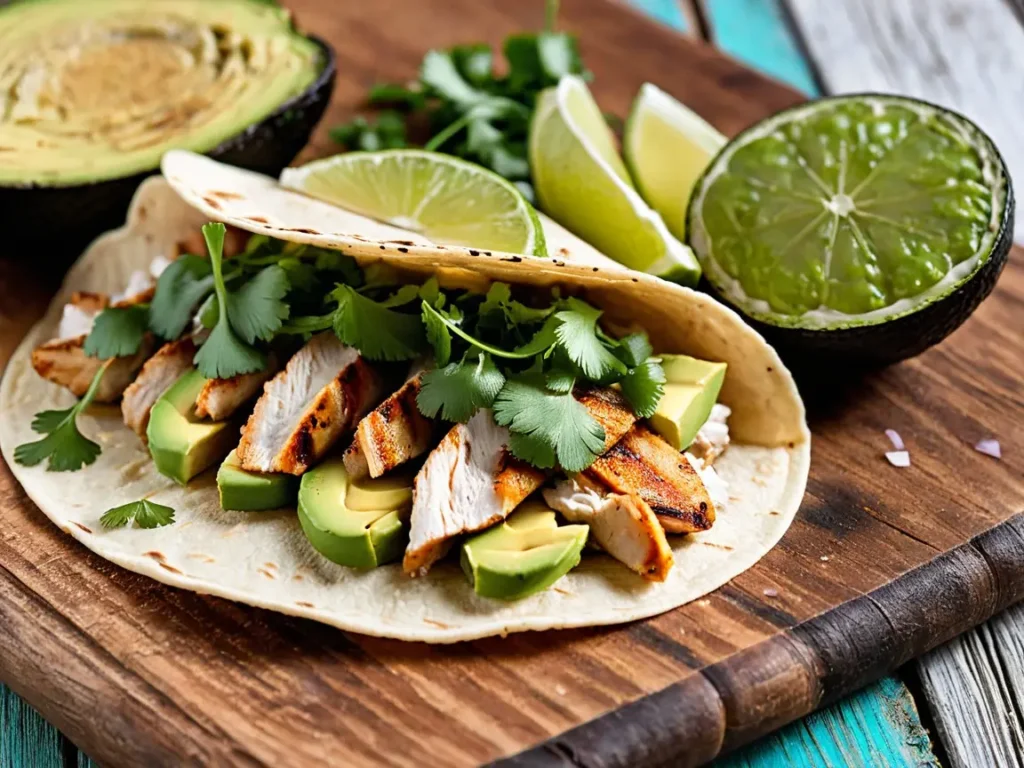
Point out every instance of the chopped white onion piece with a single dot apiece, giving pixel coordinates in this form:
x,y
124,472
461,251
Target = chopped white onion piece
x,y
989,447
898,458
895,439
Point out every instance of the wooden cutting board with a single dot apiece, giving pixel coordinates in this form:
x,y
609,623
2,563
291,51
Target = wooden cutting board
x,y
880,565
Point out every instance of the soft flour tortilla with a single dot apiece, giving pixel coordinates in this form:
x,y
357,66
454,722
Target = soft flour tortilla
x,y
263,559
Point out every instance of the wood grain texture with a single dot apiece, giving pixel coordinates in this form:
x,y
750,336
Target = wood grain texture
x,y
975,685
963,54
880,565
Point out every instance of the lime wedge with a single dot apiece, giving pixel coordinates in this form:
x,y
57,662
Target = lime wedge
x,y
447,200
582,183
667,148
855,211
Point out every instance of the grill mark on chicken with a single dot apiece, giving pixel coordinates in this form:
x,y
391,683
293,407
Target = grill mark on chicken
x,y
644,464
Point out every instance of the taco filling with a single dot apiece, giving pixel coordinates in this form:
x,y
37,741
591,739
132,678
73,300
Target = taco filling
x,y
492,396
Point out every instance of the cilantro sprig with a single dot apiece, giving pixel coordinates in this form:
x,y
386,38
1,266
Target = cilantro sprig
x,y
117,332
65,448
253,314
145,514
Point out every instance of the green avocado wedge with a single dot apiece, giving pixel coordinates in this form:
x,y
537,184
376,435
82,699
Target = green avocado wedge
x,y
181,444
691,389
357,538
523,555
246,491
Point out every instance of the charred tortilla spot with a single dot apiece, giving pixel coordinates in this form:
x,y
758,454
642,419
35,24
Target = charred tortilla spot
x,y
304,231
403,250
213,203
158,556
227,195
170,568
79,525
313,421
258,219
473,253
303,603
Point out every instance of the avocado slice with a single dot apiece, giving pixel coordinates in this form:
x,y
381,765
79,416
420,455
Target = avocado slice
x,y
181,444
691,389
526,553
234,78
253,491
361,525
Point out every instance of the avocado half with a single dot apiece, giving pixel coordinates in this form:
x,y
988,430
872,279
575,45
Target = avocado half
x,y
866,346
64,217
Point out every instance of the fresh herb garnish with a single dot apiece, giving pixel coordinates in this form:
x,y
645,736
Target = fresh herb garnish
x,y
547,428
145,513
459,390
223,354
181,286
65,447
379,333
473,113
117,332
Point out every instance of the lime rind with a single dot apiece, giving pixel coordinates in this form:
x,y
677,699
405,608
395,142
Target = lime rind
x,y
446,199
582,182
993,174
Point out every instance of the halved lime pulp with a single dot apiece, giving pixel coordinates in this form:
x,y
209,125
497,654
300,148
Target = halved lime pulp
x,y
447,200
667,148
582,183
849,211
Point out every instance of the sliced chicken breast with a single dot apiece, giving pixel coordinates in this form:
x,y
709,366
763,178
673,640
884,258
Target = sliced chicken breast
x,y
64,362
643,464
321,393
469,482
220,398
157,375
621,523
610,409
390,435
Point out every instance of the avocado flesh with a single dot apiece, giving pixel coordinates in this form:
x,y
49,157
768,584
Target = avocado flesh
x,y
691,390
181,444
357,538
523,555
253,491
123,81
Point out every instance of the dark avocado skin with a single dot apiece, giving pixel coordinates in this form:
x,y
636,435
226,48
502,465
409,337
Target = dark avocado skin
x,y
870,347
57,223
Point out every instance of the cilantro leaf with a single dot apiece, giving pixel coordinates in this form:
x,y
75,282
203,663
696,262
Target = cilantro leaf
x,y
223,355
474,62
550,427
644,387
438,335
499,299
634,349
117,332
407,97
377,332
404,295
459,390
387,132
65,447
256,309
181,286
560,381
145,513
543,340
577,334
452,325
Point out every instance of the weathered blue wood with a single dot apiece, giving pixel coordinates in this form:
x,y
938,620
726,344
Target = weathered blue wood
x,y
26,740
877,726
668,12
756,33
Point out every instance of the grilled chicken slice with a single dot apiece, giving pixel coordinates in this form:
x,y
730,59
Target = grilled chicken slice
x,y
390,435
610,409
220,398
643,464
468,483
321,393
64,362
159,372
621,523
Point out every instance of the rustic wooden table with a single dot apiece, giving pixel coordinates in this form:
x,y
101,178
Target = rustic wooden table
x,y
968,54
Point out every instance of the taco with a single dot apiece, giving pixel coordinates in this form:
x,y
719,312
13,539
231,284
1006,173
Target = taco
x,y
411,440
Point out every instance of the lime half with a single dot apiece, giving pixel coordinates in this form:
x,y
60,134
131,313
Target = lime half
x,y
447,200
667,148
852,212
582,183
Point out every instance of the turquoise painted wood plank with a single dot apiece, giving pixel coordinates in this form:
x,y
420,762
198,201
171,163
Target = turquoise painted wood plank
x,y
876,726
756,33
26,740
669,12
